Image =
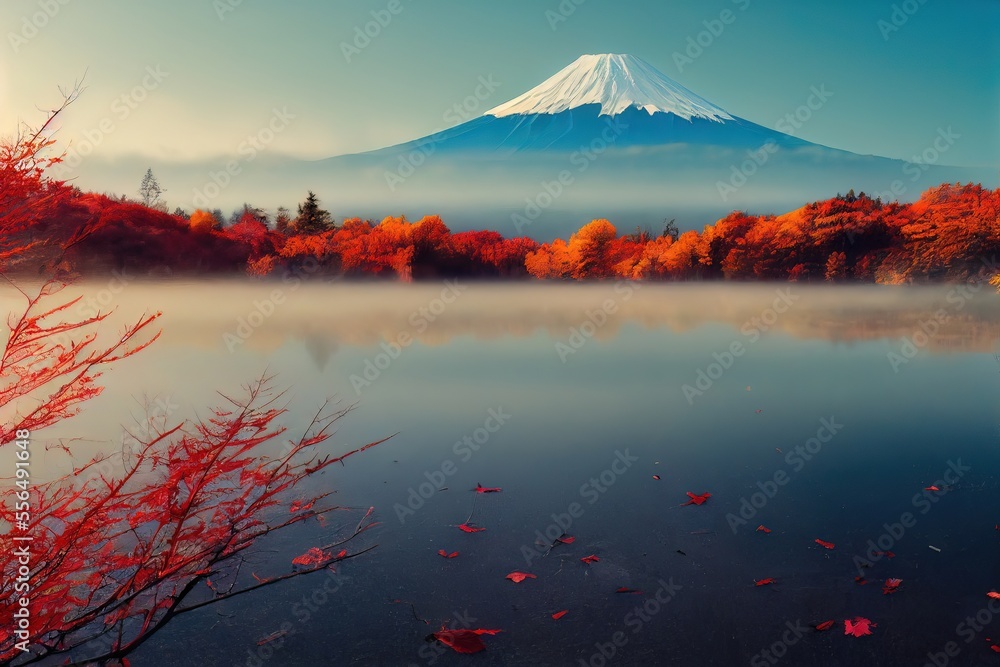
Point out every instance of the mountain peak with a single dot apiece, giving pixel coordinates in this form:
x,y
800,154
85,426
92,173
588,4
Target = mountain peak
x,y
615,81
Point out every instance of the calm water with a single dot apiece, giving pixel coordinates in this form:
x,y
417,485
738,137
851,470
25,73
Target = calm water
x,y
571,406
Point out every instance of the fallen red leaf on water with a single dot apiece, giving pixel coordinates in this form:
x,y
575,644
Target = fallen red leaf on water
x,y
931,488
623,589
887,554
825,544
697,499
518,577
763,529
860,580
445,554
891,586
590,559
859,627
994,595
274,636
763,582
825,625
656,477
996,649
566,539
560,614
484,489
463,641
469,528
315,556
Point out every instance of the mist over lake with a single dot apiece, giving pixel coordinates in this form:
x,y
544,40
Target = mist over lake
x,y
571,398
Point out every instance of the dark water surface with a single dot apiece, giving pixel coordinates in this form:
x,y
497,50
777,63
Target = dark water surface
x,y
574,409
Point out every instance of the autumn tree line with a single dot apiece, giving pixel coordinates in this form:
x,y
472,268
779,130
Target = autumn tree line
x,y
950,234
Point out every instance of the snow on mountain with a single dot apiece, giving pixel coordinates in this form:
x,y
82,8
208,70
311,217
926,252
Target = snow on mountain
x,y
617,83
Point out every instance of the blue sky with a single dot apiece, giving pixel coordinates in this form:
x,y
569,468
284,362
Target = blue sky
x,y
222,73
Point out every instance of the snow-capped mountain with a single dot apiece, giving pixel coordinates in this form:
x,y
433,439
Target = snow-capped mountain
x,y
616,83
642,105
608,135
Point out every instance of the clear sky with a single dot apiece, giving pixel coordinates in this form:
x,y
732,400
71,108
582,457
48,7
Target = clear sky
x,y
229,63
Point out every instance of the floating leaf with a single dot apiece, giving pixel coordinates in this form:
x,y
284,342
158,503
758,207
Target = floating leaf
x,y
763,529
484,489
565,539
891,586
825,625
623,589
518,577
469,528
560,614
763,582
656,477
445,554
994,595
859,627
463,641
697,499
824,543
590,559
274,636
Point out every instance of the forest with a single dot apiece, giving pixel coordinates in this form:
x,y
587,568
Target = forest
x,y
951,233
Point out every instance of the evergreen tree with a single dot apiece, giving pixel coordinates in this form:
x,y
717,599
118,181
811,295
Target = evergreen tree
x,y
312,219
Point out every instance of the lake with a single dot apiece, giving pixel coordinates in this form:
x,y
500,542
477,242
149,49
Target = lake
x,y
818,412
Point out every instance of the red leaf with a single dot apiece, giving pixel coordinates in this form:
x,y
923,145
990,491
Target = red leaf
x,y
272,637
315,556
445,554
301,505
628,590
891,586
887,554
483,489
656,477
566,539
763,582
931,488
518,577
994,595
763,529
996,649
469,528
463,641
825,544
859,627
825,625
861,581
697,499
590,559
342,554
560,614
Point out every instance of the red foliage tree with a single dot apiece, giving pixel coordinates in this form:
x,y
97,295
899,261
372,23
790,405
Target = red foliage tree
x,y
114,556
